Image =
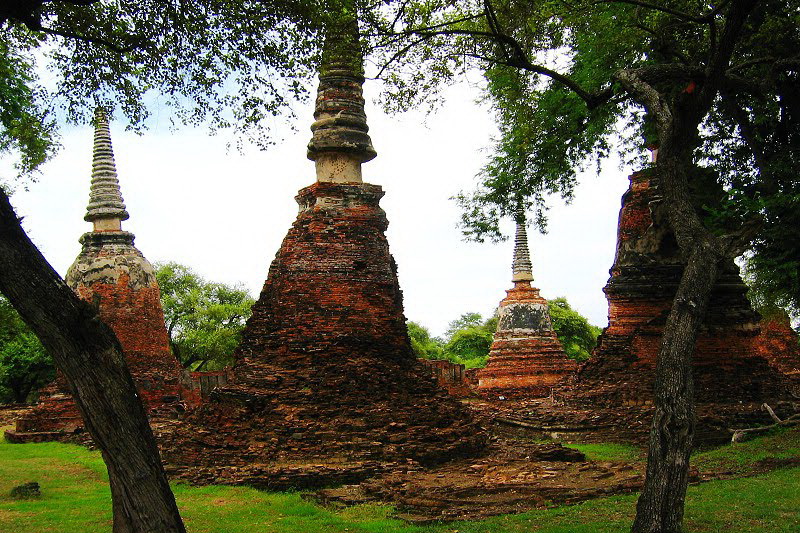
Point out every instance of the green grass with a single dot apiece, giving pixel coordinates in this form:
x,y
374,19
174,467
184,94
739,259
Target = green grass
x,y
75,499
782,443
610,451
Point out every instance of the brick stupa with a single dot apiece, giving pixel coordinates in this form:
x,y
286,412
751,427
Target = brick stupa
x,y
526,358
111,272
326,387
728,364
778,344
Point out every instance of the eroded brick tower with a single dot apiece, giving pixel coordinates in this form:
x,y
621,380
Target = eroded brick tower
x,y
728,367
526,358
112,273
325,386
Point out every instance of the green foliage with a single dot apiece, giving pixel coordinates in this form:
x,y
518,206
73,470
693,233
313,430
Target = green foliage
x,y
204,320
772,267
25,366
24,128
424,346
470,346
223,63
465,321
467,340
573,329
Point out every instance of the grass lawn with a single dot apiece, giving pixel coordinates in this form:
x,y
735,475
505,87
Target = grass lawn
x,y
76,499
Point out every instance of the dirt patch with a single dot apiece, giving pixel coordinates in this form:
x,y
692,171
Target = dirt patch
x,y
768,464
520,471
514,476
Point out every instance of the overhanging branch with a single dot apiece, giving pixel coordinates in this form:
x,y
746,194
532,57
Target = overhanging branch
x,y
89,39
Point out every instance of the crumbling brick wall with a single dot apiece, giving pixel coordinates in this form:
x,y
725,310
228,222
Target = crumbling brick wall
x,y
325,374
728,364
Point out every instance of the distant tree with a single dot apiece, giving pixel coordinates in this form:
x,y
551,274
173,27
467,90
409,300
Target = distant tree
x,y
25,366
491,323
204,319
467,320
470,346
424,346
574,331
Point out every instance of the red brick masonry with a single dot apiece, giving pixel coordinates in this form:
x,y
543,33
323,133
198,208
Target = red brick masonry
x,y
729,362
111,272
526,358
325,387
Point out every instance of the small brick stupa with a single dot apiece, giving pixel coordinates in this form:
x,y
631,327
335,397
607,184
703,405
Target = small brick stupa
x,y
728,367
326,387
111,272
526,358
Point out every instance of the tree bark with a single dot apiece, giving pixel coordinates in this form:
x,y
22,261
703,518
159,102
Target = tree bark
x,y
660,506
89,355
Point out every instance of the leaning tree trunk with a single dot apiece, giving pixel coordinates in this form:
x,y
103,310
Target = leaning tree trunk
x,y
660,506
89,355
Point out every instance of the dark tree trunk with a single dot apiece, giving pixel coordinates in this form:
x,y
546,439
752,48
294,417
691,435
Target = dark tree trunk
x,y
89,355
660,506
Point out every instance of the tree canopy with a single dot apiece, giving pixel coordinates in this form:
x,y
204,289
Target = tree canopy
x,y
204,319
563,95
224,63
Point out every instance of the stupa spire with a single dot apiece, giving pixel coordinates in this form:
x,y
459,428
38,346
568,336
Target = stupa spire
x,y
106,210
340,142
522,269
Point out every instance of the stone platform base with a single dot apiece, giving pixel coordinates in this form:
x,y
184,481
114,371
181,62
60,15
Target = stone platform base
x,y
23,437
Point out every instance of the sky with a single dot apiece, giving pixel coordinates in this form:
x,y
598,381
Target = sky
x,y
225,213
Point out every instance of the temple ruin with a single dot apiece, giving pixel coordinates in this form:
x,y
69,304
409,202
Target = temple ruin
x,y
729,361
778,344
326,387
112,273
526,358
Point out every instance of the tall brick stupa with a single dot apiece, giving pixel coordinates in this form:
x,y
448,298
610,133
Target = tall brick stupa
x,y
729,364
326,387
526,358
111,272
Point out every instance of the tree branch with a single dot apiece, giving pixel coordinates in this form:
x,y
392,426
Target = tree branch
x,y
88,39
720,59
399,54
655,7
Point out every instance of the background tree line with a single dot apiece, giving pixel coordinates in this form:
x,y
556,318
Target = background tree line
x,y
469,337
204,320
